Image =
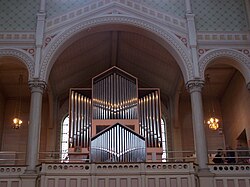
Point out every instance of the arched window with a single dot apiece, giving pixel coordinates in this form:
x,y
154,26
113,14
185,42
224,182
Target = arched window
x,y
65,138
164,140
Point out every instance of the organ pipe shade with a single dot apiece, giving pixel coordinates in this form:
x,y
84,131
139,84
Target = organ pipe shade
x,y
115,97
80,120
150,119
118,143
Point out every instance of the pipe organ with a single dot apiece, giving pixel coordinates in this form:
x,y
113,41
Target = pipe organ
x,y
118,144
114,121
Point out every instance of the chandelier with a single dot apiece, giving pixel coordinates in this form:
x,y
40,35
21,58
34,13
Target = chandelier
x,y
17,122
213,122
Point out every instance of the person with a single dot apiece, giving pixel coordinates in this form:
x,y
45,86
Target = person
x,y
218,157
230,155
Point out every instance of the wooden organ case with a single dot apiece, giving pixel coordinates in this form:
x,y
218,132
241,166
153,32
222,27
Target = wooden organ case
x,y
115,121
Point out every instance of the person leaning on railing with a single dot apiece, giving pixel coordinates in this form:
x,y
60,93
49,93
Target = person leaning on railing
x,y
218,157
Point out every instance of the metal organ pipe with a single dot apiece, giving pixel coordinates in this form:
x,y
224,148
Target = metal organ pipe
x,y
149,107
80,114
114,97
118,144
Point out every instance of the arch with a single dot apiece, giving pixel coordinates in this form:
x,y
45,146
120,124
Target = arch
x,y
25,58
164,37
239,61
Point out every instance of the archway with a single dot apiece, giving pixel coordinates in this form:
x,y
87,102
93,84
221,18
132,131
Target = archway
x,y
14,100
229,98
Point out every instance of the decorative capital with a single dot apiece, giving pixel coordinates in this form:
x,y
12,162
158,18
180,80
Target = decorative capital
x,y
195,85
37,85
248,86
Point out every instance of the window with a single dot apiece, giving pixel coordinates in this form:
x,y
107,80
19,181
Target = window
x,y
65,138
164,140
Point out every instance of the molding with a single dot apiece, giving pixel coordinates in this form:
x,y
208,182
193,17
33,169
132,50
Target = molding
x,y
17,38
195,85
182,52
223,37
116,7
209,56
22,55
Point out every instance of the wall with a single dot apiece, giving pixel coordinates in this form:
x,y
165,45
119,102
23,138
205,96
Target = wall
x,y
185,119
235,109
2,108
215,138
15,139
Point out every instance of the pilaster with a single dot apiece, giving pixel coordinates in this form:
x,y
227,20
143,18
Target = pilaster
x,y
193,43
247,5
40,28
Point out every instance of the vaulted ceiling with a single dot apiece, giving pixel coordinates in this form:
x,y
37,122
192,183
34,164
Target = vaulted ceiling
x,y
94,53
136,54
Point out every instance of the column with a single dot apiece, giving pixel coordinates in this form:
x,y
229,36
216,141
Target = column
x,y
195,87
37,87
248,128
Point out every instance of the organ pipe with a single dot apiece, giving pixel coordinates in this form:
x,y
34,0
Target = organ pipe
x,y
150,118
114,97
118,144
80,118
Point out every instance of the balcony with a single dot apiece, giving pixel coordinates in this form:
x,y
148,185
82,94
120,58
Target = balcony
x,y
175,173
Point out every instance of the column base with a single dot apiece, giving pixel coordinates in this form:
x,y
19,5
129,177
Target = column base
x,y
29,180
206,178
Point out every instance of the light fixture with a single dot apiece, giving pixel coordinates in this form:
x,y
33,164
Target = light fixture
x,y
17,122
213,122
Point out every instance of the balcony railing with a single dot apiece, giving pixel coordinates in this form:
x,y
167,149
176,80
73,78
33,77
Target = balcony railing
x,y
18,158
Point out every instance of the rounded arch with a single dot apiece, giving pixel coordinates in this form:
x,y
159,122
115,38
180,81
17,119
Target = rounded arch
x,y
165,38
25,58
239,61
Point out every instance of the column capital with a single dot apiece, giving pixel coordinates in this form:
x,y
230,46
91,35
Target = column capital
x,y
248,86
37,85
195,85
